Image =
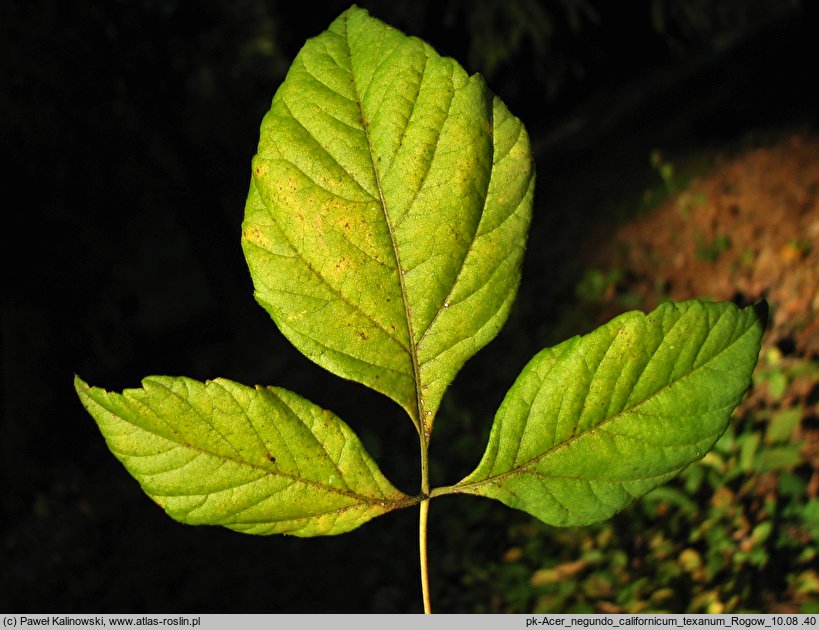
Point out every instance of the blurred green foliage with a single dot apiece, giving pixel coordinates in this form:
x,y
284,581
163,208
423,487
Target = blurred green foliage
x,y
694,23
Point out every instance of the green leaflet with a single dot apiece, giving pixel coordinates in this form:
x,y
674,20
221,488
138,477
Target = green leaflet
x,y
261,461
388,211
601,419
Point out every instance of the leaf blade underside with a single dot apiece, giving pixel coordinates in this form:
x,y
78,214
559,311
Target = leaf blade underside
x,y
599,420
388,211
260,461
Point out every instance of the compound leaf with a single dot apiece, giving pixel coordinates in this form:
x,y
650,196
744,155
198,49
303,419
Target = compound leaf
x,y
388,210
261,461
601,419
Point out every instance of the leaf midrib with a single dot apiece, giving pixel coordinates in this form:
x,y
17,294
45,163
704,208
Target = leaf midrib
x,y
523,468
419,421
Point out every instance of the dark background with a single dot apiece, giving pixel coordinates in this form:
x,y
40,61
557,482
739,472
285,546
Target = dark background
x,y
128,128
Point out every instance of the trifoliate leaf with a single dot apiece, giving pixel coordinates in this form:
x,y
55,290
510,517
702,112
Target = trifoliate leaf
x,y
601,419
388,211
261,461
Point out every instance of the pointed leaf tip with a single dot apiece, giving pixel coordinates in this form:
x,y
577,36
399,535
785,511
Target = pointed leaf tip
x,y
762,310
599,420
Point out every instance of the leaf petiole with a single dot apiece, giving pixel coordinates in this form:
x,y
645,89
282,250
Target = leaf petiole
x,y
422,548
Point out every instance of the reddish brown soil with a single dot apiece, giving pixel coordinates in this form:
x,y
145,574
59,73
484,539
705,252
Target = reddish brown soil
x,y
747,230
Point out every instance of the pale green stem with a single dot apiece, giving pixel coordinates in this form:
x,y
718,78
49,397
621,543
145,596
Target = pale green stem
x,y
422,538
422,521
